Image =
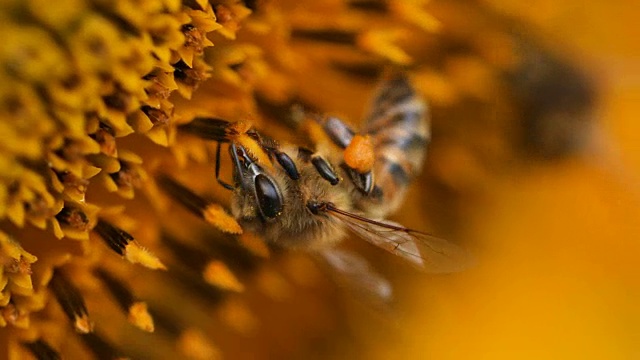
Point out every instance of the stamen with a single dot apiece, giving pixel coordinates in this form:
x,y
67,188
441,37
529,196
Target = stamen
x,y
74,218
208,128
37,207
174,326
196,287
217,273
186,75
125,245
213,271
20,266
194,344
223,14
41,350
214,214
116,238
290,113
254,244
118,100
105,136
72,303
237,315
365,70
341,37
127,177
70,181
379,6
9,314
71,151
251,5
165,323
242,253
101,348
194,37
156,116
136,310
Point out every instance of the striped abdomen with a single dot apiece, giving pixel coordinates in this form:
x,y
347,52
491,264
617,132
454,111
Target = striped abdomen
x,y
399,128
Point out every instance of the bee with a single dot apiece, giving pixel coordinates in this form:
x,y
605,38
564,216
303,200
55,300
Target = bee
x,y
299,198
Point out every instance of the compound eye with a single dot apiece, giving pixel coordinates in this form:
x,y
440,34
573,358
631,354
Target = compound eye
x,y
268,196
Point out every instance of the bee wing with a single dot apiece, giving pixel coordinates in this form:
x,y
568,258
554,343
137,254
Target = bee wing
x,y
427,252
354,274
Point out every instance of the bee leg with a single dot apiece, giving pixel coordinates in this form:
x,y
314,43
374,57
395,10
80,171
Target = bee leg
x,y
220,181
343,136
286,163
362,181
215,129
339,132
322,166
325,169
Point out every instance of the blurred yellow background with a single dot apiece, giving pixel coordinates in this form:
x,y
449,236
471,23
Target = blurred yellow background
x,y
554,231
558,274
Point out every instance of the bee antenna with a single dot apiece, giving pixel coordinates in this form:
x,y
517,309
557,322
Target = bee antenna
x,y
316,207
220,181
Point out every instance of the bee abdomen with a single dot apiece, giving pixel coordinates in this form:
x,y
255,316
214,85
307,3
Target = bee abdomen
x,y
406,145
399,127
399,124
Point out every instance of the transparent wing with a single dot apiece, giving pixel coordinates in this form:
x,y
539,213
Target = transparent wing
x,y
354,274
427,252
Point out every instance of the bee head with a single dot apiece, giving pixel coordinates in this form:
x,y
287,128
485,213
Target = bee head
x,y
255,182
277,200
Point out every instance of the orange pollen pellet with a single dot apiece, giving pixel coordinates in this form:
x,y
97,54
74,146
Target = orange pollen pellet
x,y
359,155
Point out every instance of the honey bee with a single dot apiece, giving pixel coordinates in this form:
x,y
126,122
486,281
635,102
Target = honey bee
x,y
299,198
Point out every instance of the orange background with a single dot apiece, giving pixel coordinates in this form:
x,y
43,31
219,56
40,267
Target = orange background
x,y
557,243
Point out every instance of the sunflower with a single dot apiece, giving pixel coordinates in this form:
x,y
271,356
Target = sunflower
x,y
114,237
